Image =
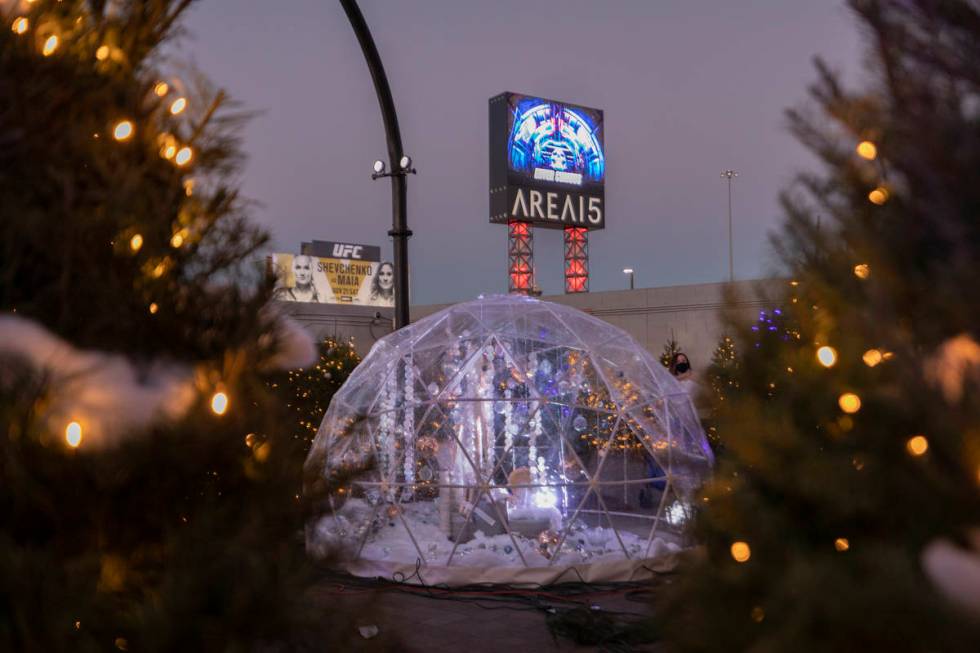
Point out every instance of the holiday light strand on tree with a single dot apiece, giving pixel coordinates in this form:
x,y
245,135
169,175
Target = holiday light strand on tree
x,y
848,471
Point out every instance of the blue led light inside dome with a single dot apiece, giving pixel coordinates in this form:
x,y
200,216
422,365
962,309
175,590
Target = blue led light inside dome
x,y
549,136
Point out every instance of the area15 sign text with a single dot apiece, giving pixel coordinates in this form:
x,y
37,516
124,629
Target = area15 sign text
x,y
547,163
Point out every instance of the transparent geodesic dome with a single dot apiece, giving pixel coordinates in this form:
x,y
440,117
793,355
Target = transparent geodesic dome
x,y
508,439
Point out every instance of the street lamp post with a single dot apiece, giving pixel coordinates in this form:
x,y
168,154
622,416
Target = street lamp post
x,y
629,273
401,165
729,175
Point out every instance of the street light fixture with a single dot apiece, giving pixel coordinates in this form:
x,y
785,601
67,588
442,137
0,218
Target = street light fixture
x,y
629,272
399,232
729,175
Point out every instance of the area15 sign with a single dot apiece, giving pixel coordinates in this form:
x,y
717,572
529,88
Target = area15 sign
x,y
335,273
547,163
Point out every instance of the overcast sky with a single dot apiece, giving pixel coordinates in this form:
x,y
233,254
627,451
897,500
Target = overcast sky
x,y
689,88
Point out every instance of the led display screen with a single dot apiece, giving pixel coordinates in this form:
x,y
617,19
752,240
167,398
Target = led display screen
x,y
547,162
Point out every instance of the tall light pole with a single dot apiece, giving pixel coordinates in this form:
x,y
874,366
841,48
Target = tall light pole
x,y
401,165
729,175
629,273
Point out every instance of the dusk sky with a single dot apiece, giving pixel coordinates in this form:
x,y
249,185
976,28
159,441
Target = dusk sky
x,y
689,88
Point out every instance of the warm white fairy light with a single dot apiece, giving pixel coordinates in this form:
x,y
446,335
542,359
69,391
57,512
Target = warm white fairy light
x,y
161,89
827,356
123,130
136,242
849,402
102,53
867,150
879,195
178,105
73,434
20,25
50,45
741,551
219,403
184,155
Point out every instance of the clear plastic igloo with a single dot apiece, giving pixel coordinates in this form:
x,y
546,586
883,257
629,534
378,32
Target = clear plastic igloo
x,y
509,439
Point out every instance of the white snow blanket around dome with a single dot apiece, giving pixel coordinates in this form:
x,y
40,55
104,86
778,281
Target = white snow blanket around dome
x,y
509,440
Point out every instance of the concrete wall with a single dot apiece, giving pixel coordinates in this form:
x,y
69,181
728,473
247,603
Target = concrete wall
x,y
343,321
691,313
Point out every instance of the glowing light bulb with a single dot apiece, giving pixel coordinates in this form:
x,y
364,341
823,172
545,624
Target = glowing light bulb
x,y
184,155
102,53
161,89
123,130
20,25
178,239
50,45
872,357
867,150
917,445
219,403
849,402
862,270
154,308
827,356
168,151
878,196
741,551
178,105
841,544
136,242
73,434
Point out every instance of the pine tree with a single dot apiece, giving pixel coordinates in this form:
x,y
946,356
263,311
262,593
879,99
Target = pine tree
x,y
306,392
853,451
671,349
149,480
722,372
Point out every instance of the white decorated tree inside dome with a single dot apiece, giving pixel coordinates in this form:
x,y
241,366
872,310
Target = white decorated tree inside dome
x,y
508,433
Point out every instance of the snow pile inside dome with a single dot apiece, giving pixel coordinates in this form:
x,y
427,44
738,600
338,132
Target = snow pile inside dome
x,y
509,439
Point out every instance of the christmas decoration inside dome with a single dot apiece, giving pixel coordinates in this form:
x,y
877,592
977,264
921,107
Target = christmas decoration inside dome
x,y
509,439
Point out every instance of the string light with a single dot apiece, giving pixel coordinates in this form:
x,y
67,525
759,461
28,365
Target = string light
x,y
872,357
757,614
741,551
136,242
178,105
878,196
849,402
159,269
154,308
841,544
73,434
169,151
102,53
184,155
123,130
917,445
20,25
867,150
50,45
178,238
862,270
827,356
219,403
161,89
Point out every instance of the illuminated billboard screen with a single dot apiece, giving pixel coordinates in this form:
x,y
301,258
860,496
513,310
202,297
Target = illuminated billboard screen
x,y
547,162
335,273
